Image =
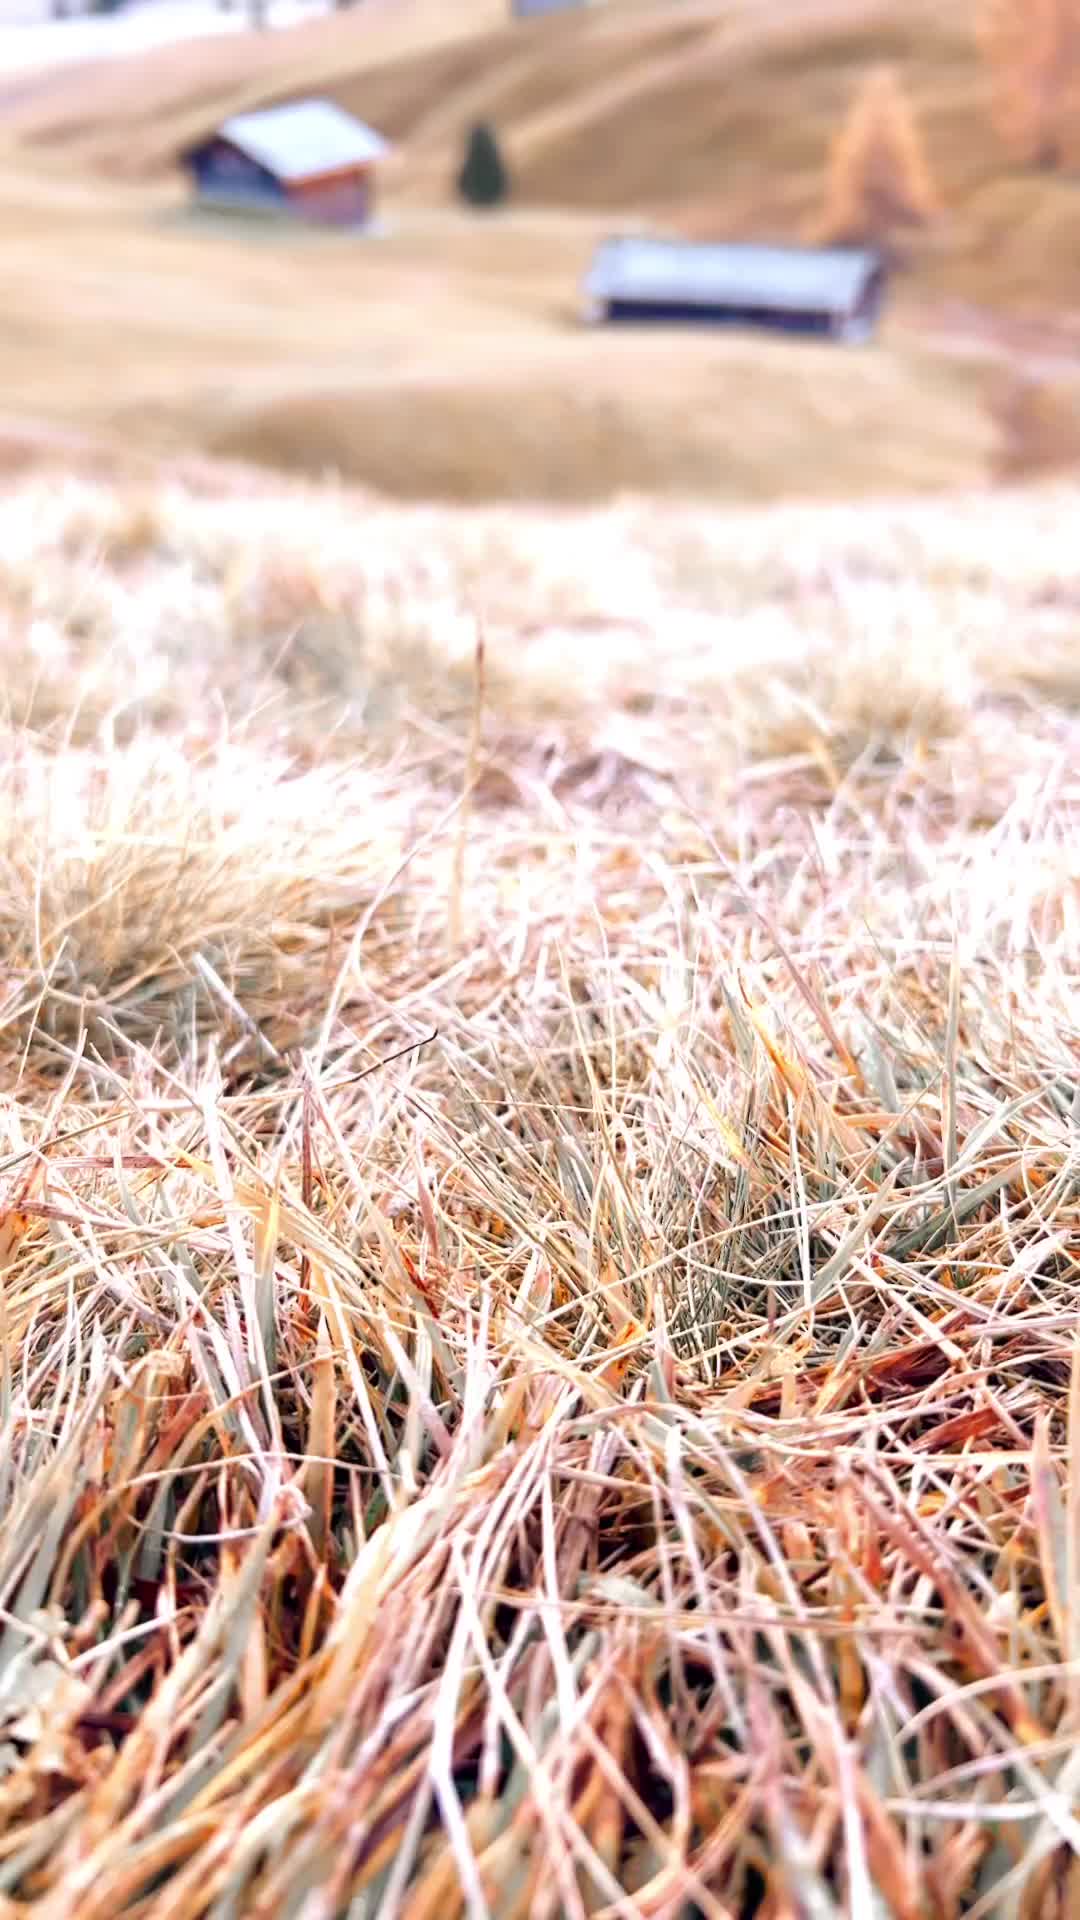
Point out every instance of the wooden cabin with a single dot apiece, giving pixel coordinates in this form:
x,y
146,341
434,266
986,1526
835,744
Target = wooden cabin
x,y
836,292
308,158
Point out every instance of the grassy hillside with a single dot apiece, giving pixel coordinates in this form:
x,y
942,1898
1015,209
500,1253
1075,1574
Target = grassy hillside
x,y
444,356
539,1234
718,115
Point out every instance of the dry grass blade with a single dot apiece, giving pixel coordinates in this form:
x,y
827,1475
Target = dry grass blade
x,y
583,1420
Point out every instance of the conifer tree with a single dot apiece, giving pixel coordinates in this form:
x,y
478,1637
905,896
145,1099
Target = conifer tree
x,y
878,180
483,180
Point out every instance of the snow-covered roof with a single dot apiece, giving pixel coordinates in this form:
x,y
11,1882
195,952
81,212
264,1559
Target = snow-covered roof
x,y
802,279
304,139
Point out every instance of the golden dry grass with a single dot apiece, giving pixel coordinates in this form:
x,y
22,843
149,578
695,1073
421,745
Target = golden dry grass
x,y
538,1354
717,113
444,357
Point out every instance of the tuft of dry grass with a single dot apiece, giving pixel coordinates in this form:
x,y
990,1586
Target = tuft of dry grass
x,y
110,915
581,1419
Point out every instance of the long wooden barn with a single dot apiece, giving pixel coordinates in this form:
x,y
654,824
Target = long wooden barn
x,y
308,158
836,292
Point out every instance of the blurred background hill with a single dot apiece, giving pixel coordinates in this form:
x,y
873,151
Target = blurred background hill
x,y
437,354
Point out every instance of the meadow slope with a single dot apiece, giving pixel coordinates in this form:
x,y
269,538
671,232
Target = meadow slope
x,y
538,1355
444,356
713,114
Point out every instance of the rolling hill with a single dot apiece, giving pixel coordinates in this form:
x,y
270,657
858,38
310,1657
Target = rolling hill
x,y
714,112
444,356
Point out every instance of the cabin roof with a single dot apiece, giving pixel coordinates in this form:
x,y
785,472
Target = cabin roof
x,y
799,279
303,139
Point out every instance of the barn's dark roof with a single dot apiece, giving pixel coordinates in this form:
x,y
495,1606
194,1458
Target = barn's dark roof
x,y
303,139
799,279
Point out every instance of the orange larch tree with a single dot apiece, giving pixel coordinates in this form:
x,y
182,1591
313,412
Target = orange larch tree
x,y
878,181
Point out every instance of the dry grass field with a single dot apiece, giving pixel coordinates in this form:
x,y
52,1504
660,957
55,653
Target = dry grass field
x,y
717,113
444,357
540,1220
444,360
539,1037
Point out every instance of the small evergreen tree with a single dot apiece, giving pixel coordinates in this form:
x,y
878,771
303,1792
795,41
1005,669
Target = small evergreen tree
x,y
1032,53
483,180
878,180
